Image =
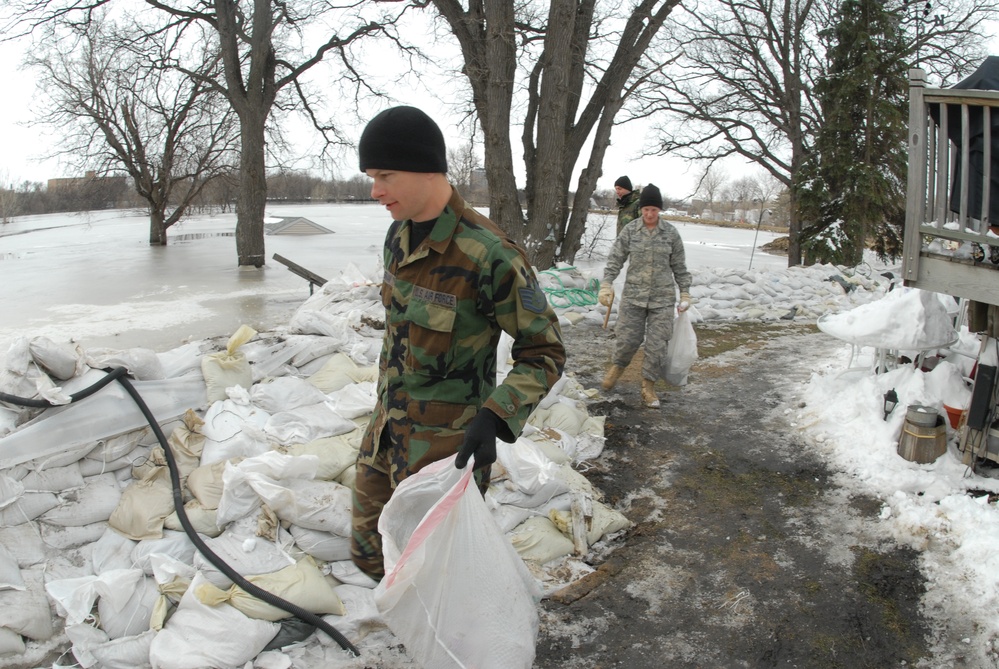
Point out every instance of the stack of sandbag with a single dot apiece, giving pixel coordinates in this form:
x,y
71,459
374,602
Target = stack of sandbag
x,y
95,555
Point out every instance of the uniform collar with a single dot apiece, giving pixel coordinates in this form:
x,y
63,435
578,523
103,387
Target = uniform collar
x,y
443,230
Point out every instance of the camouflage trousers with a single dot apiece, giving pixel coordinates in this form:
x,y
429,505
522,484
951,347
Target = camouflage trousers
x,y
637,324
372,491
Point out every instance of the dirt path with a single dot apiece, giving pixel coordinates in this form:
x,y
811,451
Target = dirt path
x,y
744,553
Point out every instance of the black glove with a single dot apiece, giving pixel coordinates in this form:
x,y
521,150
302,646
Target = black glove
x,y
480,440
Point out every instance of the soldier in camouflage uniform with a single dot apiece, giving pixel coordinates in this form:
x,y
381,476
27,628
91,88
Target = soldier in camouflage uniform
x,y
657,267
627,203
454,282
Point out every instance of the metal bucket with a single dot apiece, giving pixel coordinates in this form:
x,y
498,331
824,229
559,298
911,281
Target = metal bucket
x,y
920,415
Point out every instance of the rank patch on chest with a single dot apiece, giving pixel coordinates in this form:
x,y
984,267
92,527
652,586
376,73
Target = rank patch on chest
x,y
532,298
435,297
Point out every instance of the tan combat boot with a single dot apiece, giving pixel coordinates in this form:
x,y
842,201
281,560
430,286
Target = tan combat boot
x,y
613,374
649,396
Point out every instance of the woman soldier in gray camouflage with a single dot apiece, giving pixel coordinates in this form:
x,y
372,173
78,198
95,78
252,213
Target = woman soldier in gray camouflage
x,y
657,267
454,282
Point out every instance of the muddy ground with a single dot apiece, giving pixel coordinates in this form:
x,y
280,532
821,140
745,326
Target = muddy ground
x,y
744,552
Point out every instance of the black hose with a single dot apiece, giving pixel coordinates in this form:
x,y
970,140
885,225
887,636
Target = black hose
x,y
178,501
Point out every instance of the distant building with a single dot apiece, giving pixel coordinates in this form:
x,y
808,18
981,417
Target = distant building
x,y
295,225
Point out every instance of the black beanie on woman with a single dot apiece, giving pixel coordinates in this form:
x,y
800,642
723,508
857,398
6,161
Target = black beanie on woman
x,y
650,197
404,139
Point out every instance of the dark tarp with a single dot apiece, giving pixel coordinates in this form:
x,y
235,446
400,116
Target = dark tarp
x,y
986,77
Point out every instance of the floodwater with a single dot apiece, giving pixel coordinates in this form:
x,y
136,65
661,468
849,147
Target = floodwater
x,y
93,279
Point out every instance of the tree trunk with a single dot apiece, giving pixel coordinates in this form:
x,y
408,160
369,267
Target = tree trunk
x,y
157,230
252,198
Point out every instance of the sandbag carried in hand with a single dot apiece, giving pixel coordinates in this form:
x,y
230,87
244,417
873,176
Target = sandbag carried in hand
x,y
682,350
444,557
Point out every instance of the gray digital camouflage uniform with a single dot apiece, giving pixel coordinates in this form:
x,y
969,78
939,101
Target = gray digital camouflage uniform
x,y
657,266
446,304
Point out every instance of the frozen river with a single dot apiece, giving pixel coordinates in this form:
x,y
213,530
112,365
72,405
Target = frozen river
x,y
94,279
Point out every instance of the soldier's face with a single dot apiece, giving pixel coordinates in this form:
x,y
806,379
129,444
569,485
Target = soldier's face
x,y
406,195
621,192
650,216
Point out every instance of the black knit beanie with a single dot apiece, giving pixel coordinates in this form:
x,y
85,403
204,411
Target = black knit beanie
x,y
651,197
625,183
405,139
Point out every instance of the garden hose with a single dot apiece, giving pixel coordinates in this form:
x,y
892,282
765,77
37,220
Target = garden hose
x,y
119,374
564,297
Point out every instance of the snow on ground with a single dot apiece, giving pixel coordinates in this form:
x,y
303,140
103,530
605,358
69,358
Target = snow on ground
x,y
92,279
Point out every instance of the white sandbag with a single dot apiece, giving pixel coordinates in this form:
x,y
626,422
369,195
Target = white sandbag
x,y
229,367
198,636
526,465
11,490
248,442
131,617
539,540
111,551
225,418
115,447
92,648
317,505
27,507
239,499
10,572
27,611
301,584
11,643
506,492
104,414
681,352
176,545
8,420
360,616
357,399
142,363
60,361
316,347
76,596
334,454
437,517
272,358
347,477
284,394
92,503
605,521
56,479
240,548
63,538
306,424
324,546
91,467
339,372
346,572
554,392
24,542
563,415
557,446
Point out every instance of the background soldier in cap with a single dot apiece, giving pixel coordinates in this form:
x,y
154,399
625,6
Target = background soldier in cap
x,y
454,282
658,266
627,203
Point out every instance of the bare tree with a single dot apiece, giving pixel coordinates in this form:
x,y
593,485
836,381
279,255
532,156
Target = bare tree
x,y
265,50
8,198
461,161
710,184
744,85
578,68
120,107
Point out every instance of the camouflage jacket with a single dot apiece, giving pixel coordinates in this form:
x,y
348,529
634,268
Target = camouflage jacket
x,y
446,304
657,264
628,209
